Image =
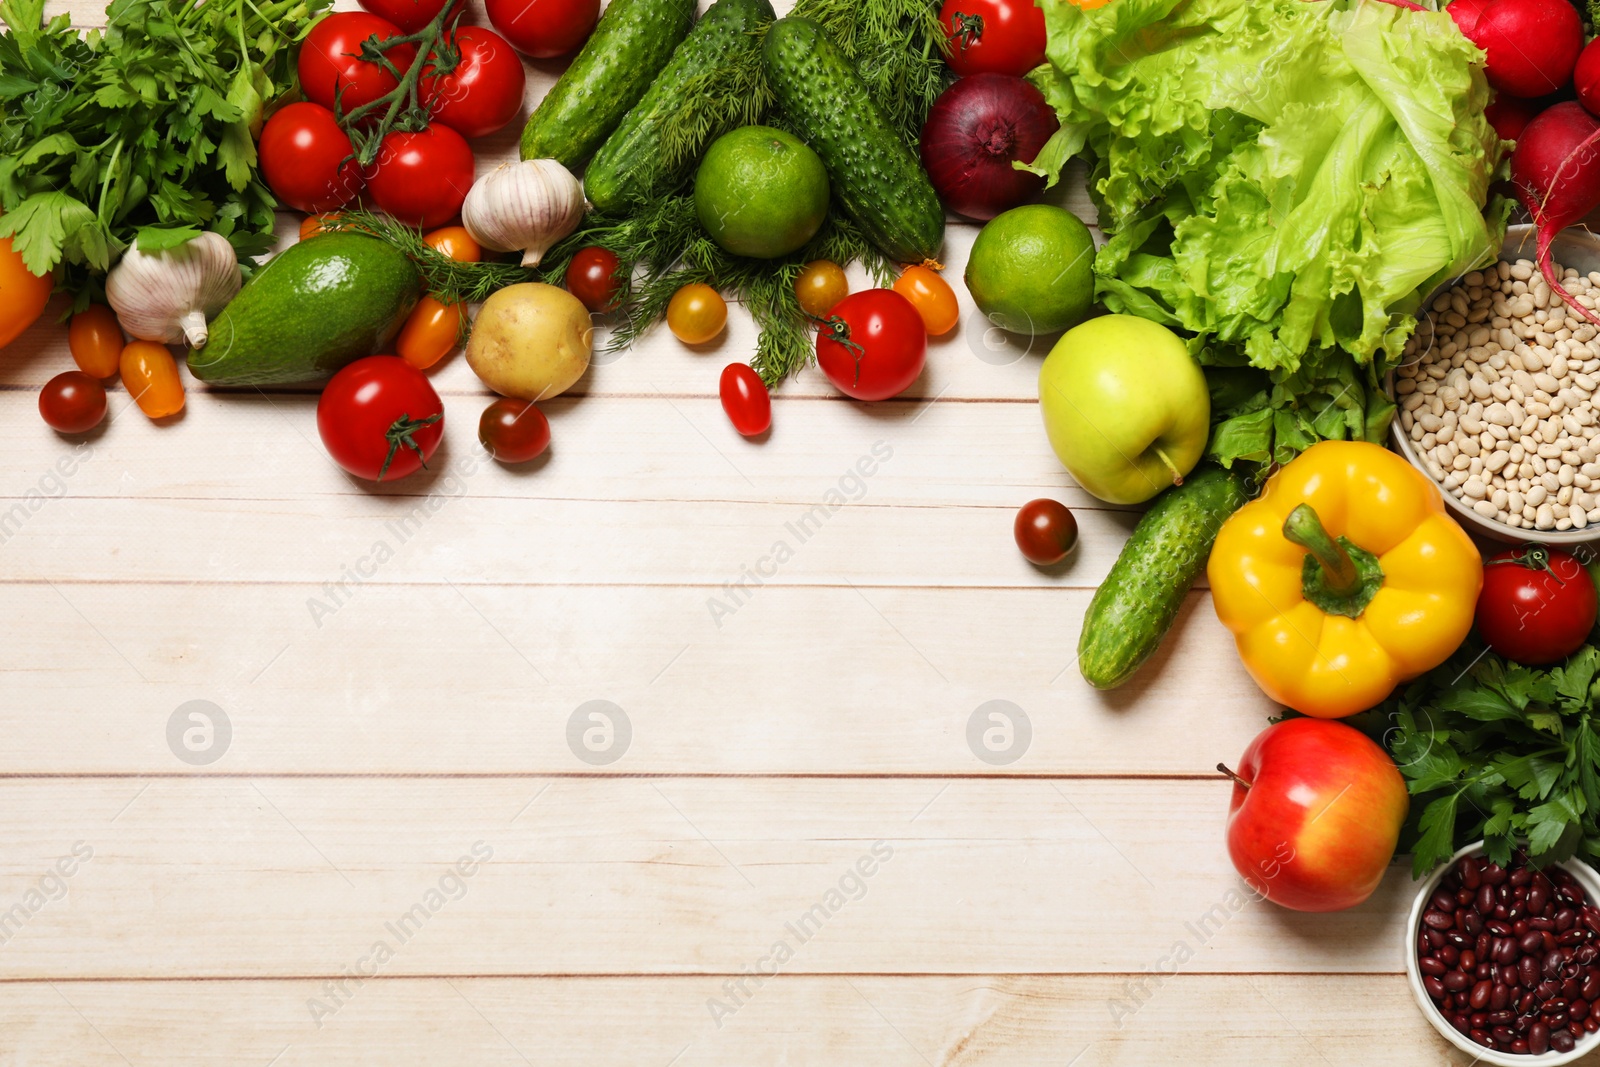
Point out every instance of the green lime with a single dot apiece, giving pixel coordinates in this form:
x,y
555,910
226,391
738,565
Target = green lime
x,y
760,192
1032,270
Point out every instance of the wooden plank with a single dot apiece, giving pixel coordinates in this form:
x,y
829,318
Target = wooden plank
x,y
787,681
799,1021
219,877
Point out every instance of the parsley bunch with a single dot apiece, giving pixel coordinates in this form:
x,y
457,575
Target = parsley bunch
x,y
1496,750
144,131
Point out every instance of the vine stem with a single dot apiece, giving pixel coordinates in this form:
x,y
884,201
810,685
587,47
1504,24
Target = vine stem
x,y
401,106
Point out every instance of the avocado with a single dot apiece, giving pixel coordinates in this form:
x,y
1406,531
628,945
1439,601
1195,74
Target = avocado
x,y
321,304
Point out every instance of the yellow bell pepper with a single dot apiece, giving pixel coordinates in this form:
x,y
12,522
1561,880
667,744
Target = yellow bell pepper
x,y
1343,579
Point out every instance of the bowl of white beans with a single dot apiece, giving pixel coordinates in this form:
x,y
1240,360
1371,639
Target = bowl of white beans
x,y
1497,395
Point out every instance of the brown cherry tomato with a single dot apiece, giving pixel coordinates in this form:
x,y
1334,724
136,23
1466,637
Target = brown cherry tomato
x,y
95,340
933,298
150,375
73,402
431,332
1045,531
592,278
820,287
697,314
514,431
455,242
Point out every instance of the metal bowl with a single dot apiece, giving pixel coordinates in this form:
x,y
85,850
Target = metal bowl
x,y
1575,248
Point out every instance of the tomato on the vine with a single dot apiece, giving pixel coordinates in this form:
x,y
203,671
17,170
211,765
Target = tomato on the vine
x,y
820,286
380,418
544,29
697,314
933,298
73,402
1537,606
484,91
422,178
873,345
513,431
303,153
410,15
1045,531
994,36
592,278
745,399
331,67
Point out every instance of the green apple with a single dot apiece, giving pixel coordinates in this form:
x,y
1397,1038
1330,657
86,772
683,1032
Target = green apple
x,y
1126,407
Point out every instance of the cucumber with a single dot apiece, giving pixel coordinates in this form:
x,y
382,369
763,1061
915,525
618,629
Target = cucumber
x,y
877,180
320,304
1135,606
630,46
634,165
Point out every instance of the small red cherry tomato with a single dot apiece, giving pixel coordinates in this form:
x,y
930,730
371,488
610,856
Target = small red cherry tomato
x,y
422,178
331,66
746,400
484,92
1045,531
72,402
1537,605
873,345
514,431
592,278
303,153
544,29
380,418
995,36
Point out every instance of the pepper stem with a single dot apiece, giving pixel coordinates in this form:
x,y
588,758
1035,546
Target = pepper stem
x,y
1304,528
1223,767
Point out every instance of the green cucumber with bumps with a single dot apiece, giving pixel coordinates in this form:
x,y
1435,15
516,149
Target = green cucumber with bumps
x,y
632,166
877,179
628,49
1138,602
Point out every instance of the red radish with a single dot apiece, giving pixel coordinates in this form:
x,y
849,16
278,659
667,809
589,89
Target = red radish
x,y
1510,115
1557,174
1532,45
1466,12
1586,77
975,131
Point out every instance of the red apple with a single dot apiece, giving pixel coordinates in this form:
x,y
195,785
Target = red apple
x,y
1315,815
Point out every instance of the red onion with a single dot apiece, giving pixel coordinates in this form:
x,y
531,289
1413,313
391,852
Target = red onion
x,y
974,132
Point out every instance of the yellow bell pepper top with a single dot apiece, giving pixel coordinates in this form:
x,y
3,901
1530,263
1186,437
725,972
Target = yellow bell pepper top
x,y
1343,579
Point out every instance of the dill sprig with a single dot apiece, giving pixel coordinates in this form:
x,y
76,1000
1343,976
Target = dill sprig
x,y
447,279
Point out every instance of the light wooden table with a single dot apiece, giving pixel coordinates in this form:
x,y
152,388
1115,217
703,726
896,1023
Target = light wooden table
x,y
791,785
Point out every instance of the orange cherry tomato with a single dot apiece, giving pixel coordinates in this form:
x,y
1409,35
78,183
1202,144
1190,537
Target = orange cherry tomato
x,y
150,375
23,294
312,225
95,340
697,314
933,298
431,332
455,242
820,287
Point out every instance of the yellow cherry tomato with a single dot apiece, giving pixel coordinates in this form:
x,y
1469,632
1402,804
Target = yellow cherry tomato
x,y
95,340
431,332
23,294
312,224
150,375
933,298
820,287
455,242
697,314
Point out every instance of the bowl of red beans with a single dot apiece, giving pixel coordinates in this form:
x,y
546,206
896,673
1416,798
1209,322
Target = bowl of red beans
x,y
1505,960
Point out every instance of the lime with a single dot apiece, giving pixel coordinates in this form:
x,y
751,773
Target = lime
x,y
1032,270
760,192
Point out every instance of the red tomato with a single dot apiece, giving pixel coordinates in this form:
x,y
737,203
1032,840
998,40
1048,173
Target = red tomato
x,y
1045,531
484,92
331,65
303,153
72,402
592,278
411,15
873,345
544,29
514,431
994,36
746,400
423,178
380,418
1537,606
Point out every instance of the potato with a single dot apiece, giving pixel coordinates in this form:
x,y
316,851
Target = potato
x,y
531,341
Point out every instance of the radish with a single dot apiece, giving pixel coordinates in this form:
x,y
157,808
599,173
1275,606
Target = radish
x,y
1557,174
1586,77
1510,115
1532,45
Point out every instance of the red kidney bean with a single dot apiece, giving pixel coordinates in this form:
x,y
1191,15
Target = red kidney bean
x,y
1501,912
1538,898
1520,877
1469,960
1483,971
1554,1005
1508,975
1500,997
1515,911
1564,918
1471,922
1450,954
1532,941
1579,1010
1455,981
1528,972
1540,923
1481,946
1480,1020
1498,928
1482,1037
1571,989
1486,898
1501,1018
1591,1024
1461,1022
1520,927
1519,1045
1575,1029
1503,1036
1434,987
1493,873
1561,1041
1572,937
1525,1003
1431,967
1549,940
1481,994
1438,920
1538,1039
1544,990
1443,901
1504,950
1471,876
1591,986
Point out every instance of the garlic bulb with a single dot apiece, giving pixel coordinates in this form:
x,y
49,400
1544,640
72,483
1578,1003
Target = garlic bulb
x,y
524,207
168,296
